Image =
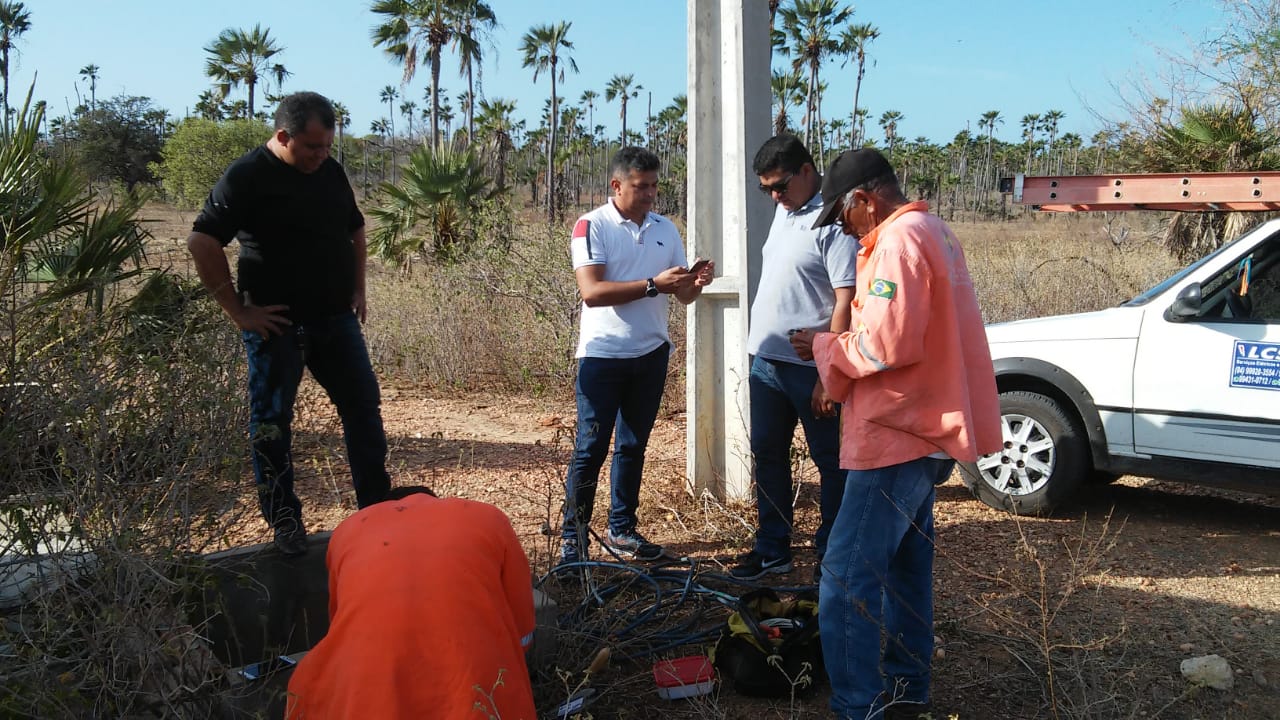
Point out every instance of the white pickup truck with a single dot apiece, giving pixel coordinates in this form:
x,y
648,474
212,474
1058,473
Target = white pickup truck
x,y
1180,383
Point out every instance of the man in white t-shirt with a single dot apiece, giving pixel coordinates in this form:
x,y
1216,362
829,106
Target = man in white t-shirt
x,y
627,260
806,282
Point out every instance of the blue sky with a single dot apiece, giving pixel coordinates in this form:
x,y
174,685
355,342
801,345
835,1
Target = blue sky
x,y
940,63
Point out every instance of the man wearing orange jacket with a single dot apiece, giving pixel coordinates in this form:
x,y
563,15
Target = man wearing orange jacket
x,y
430,607
918,390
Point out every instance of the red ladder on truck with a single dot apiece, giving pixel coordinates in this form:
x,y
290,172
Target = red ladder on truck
x,y
1188,192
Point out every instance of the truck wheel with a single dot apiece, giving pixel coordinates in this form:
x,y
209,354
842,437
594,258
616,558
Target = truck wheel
x,y
1043,461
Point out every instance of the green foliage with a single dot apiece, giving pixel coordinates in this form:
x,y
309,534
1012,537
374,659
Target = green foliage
x,y
57,234
198,152
432,210
119,140
240,57
1211,138
1208,138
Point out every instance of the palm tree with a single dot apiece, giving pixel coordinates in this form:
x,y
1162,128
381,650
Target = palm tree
x,y
1102,142
1050,125
620,88
15,20
406,109
1208,138
90,72
209,106
430,212
473,21
588,100
788,90
243,58
853,41
496,126
56,228
410,27
889,121
341,119
542,47
860,123
388,95
1030,124
988,122
809,35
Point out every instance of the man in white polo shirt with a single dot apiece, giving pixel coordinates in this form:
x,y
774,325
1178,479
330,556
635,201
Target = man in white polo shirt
x,y
807,281
627,260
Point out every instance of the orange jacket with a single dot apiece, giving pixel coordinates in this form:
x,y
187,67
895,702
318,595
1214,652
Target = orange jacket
x,y
914,375
428,601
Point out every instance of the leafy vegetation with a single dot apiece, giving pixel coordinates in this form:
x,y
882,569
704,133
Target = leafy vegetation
x,y
197,153
433,211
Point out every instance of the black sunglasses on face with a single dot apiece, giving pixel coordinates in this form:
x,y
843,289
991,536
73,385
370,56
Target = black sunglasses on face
x,y
779,187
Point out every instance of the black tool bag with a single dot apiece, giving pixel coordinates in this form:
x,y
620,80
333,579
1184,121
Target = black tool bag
x,y
770,647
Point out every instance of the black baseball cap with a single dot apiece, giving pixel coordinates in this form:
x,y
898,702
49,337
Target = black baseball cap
x,y
851,169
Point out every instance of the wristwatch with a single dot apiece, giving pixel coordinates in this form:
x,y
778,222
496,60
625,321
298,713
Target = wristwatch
x,y
650,288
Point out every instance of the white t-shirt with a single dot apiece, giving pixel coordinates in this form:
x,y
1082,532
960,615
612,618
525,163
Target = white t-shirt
x,y
604,237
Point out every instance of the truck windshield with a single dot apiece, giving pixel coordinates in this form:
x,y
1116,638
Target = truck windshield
x,y
1177,277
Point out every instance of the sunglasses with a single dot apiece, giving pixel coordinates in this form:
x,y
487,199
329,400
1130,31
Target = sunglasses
x,y
779,187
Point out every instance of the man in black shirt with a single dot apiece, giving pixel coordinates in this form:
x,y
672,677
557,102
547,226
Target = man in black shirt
x,y
300,301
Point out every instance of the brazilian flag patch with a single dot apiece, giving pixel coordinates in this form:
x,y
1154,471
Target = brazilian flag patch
x,y
882,289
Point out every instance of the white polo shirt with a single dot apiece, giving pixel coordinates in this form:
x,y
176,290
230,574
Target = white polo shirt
x,y
628,252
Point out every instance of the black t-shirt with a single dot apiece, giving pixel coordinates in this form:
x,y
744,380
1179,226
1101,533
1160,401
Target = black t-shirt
x,y
294,231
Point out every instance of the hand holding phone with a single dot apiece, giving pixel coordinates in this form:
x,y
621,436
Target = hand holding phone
x,y
698,266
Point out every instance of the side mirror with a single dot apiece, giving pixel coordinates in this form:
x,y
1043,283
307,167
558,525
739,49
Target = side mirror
x,y
1186,305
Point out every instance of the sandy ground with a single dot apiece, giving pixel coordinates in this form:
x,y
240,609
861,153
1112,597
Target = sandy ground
x,y
1118,591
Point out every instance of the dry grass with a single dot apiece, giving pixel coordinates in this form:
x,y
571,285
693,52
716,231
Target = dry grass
x,y
1034,615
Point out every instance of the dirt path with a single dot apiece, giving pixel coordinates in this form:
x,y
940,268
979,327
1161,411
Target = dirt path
x,y
1120,590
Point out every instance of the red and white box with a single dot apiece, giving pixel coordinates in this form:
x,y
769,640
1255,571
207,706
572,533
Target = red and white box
x,y
684,677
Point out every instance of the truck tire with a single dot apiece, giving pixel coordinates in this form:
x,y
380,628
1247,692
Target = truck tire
x,y
1043,462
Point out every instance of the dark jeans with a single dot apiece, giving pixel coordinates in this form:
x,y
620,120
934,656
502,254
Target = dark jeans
x,y
612,391
780,397
334,351
877,582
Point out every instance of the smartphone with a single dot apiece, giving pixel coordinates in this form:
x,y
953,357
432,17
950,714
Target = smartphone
x,y
259,670
698,266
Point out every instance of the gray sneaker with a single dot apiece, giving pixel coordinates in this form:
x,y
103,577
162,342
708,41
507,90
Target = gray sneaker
x,y
632,544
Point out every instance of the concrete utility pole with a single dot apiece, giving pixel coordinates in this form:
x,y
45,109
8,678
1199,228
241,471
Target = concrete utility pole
x,y
729,108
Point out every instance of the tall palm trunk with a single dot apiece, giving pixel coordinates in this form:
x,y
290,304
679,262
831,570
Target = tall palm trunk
x,y
435,98
471,105
811,103
854,135
551,151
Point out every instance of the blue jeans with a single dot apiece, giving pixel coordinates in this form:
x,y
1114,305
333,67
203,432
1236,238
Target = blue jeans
x,y
780,396
878,580
624,392
333,350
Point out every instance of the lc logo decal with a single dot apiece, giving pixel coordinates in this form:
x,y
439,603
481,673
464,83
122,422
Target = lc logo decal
x,y
1255,351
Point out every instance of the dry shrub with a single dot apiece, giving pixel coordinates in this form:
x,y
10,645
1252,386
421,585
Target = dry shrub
x,y
502,319
1058,264
116,463
505,318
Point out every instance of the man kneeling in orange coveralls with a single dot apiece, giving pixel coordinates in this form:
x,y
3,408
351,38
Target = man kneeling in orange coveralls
x,y
430,608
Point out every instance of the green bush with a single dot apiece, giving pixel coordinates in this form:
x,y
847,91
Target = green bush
x,y
198,152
